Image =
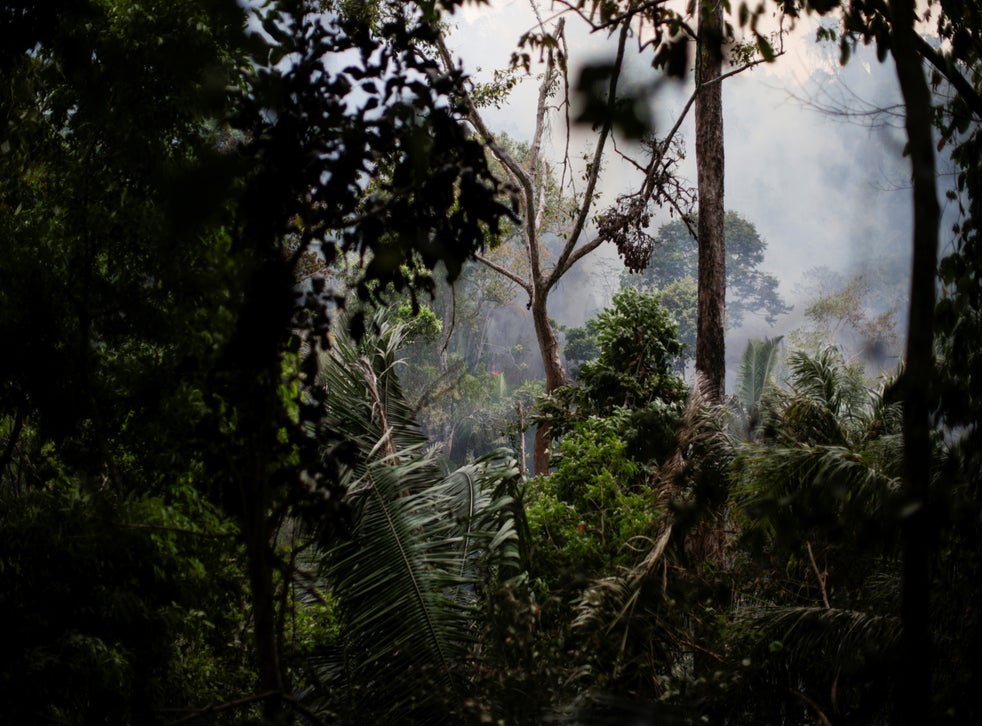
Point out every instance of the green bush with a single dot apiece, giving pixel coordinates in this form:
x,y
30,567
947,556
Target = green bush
x,y
586,514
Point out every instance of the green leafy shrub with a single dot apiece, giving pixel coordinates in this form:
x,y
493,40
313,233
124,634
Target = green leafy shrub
x,y
584,517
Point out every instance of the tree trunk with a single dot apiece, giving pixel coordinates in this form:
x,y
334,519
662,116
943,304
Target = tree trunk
x,y
260,569
710,351
554,371
914,702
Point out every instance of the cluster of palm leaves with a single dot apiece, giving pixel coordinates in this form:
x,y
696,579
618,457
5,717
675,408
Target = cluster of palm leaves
x,y
827,462
425,542
817,496
770,591
755,377
780,603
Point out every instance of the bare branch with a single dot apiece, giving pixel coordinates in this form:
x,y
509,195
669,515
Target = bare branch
x,y
820,575
520,176
522,283
629,160
453,320
581,252
656,161
682,215
539,173
593,175
627,15
528,181
566,106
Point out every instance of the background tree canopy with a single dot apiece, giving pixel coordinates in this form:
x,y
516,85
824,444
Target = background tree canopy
x,y
673,268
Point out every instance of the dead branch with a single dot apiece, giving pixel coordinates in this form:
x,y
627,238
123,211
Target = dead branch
x,y
821,576
518,280
663,146
593,172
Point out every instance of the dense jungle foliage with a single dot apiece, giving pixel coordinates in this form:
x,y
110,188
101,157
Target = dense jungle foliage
x,y
261,463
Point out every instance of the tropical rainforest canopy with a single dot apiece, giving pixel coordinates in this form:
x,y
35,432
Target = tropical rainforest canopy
x,y
261,460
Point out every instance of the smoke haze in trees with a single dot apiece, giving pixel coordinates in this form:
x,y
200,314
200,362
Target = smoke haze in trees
x,y
814,161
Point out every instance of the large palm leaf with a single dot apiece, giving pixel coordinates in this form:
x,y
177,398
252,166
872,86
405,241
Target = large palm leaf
x,y
829,457
791,492
830,664
825,402
754,377
843,640
424,542
363,397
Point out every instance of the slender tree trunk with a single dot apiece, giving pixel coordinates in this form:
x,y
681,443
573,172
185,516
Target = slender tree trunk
x,y
554,371
255,491
914,702
252,378
710,351
260,569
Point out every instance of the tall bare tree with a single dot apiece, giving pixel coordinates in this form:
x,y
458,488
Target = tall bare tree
x,y
531,178
710,352
626,222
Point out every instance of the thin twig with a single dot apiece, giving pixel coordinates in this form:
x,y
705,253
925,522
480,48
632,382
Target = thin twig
x,y
453,319
820,575
627,15
649,182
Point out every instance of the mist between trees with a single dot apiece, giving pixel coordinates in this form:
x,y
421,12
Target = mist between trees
x,y
327,398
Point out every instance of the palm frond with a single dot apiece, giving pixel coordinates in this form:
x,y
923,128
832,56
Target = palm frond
x,y
822,377
424,541
362,394
819,494
754,377
830,457
407,582
843,641
885,415
482,506
782,472
827,402
793,493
